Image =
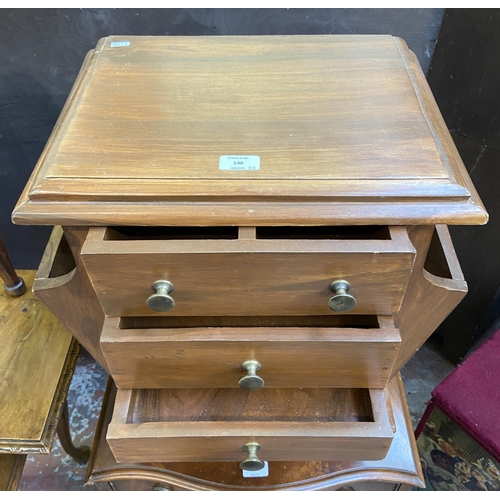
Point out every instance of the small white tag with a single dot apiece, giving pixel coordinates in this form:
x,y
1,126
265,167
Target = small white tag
x,y
239,163
264,472
119,44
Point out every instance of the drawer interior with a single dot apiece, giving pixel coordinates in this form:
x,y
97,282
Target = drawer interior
x,y
236,405
361,321
323,233
120,233
170,425
248,271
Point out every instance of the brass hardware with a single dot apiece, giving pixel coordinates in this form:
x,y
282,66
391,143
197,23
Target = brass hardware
x,y
161,300
162,487
341,301
251,380
252,462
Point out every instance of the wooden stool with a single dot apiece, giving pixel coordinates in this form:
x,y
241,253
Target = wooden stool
x,y
37,359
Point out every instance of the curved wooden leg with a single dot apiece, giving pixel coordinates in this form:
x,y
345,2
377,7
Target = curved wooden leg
x,y
14,285
80,454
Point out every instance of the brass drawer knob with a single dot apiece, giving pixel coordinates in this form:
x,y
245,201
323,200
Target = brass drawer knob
x,y
251,380
341,301
161,300
252,462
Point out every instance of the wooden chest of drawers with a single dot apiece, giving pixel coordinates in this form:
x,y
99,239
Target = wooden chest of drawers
x,y
253,239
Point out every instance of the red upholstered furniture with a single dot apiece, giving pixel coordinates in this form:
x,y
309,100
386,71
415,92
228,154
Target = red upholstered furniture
x,y
459,434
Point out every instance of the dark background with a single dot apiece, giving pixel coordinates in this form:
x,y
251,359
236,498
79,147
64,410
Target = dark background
x,y
41,51
465,80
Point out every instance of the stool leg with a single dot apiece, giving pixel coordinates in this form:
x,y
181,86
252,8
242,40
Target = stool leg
x,y
14,285
80,454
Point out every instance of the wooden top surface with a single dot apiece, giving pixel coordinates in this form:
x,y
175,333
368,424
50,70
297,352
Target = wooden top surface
x,y
36,363
334,119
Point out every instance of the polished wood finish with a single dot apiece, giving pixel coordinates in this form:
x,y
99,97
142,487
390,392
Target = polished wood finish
x,y
429,298
11,470
36,364
37,359
401,466
350,141
170,425
13,284
218,277
365,142
62,284
212,357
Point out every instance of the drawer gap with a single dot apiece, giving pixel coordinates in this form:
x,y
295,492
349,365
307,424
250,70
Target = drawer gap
x,y
327,321
323,233
238,405
130,233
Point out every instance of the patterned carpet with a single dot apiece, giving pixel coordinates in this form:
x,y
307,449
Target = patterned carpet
x,y
58,471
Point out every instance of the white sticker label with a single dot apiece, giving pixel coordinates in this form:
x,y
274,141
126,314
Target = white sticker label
x,y
119,44
264,472
239,163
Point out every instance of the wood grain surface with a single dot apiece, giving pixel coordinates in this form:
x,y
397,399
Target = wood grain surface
x,y
212,357
248,276
289,424
353,112
401,465
36,364
307,105
62,284
429,298
11,469
36,87
237,405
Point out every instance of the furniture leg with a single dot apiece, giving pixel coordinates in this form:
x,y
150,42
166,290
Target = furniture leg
x,y
79,453
14,285
11,469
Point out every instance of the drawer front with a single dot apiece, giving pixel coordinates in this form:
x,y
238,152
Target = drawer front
x,y
248,276
196,357
169,425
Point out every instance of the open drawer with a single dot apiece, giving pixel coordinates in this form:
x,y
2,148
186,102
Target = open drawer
x,y
198,425
192,352
263,271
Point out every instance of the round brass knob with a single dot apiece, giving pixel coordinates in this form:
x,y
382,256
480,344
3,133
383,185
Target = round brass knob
x,y
161,300
341,301
251,380
252,462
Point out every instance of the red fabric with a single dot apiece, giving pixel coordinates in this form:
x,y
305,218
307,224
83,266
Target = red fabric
x,y
470,395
